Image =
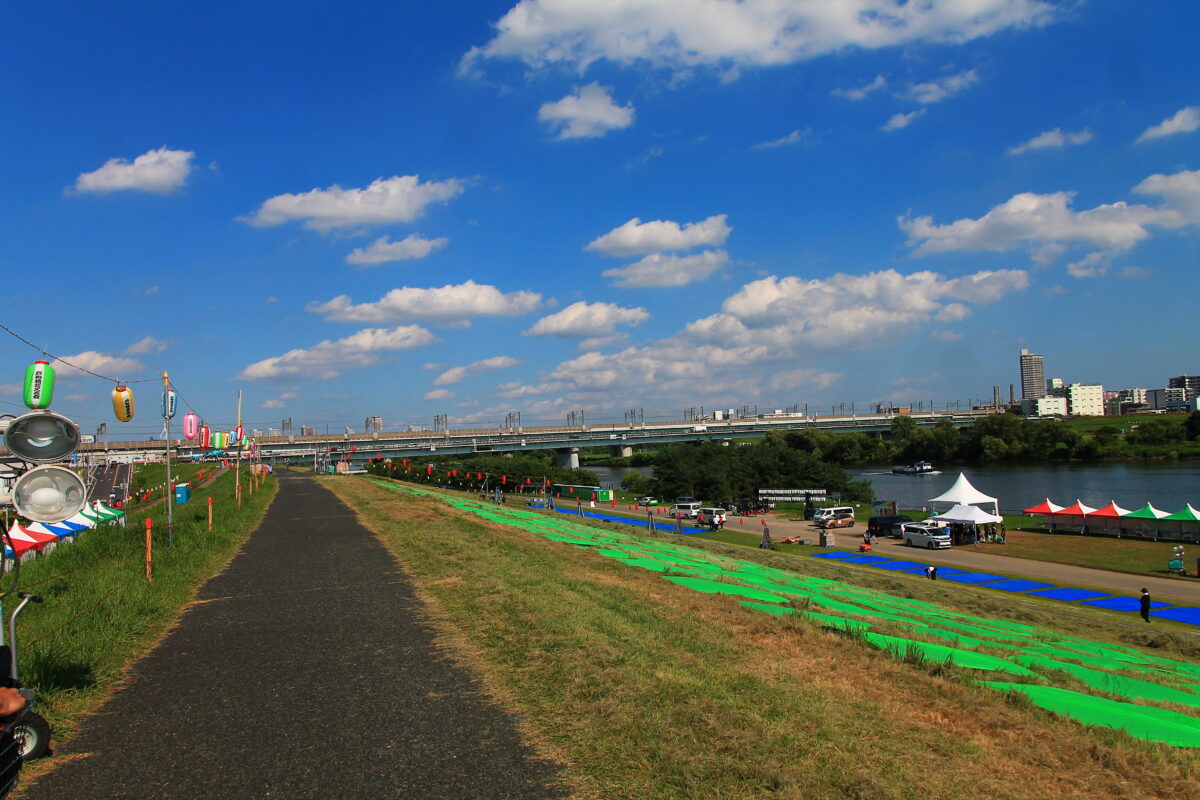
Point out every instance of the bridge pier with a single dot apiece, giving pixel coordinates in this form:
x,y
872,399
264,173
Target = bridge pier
x,y
621,451
567,458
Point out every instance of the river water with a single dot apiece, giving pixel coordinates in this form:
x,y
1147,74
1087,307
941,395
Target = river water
x,y
1168,485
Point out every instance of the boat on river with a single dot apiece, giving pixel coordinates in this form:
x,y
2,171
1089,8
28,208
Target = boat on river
x,y
919,468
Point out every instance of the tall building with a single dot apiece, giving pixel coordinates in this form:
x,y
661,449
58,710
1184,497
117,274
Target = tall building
x,y
1033,375
373,425
1189,383
1085,400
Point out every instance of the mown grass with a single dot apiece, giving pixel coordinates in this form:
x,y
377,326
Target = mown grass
x,y
649,690
99,613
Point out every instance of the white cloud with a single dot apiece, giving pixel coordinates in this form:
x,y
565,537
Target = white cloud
x,y
1180,193
1031,219
1093,265
636,238
729,35
860,93
327,359
581,320
381,250
664,269
148,345
102,363
945,336
280,401
1136,273
1053,138
514,389
898,121
940,89
447,303
803,379
386,200
1185,120
159,171
795,137
459,374
439,394
10,388
586,114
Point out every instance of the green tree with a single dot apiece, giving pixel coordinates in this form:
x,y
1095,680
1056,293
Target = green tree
x,y
1191,426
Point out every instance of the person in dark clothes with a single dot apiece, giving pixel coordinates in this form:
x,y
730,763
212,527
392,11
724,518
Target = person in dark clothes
x,y
932,573
1145,605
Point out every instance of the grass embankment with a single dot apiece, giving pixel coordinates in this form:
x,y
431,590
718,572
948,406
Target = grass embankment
x,y
99,612
650,690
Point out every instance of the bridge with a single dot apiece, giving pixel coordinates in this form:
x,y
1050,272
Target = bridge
x,y
566,441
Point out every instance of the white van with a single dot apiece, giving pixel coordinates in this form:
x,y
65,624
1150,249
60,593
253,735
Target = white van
x,y
684,510
931,537
822,515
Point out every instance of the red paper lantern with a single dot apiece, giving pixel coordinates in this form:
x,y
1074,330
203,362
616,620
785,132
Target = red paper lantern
x,y
429,469
503,480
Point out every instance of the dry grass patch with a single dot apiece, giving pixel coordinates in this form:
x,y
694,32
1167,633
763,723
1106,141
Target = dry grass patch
x,y
650,690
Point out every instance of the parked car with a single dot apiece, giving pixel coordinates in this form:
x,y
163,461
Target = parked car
x,y
887,525
709,515
829,512
647,501
838,521
686,500
918,534
684,510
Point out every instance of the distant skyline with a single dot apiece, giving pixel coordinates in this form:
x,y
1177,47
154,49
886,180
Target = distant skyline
x,y
402,210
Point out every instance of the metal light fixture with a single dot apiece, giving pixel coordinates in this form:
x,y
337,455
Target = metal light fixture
x,y
41,437
48,494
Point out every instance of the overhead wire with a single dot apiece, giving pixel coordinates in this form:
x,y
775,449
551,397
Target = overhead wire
x,y
22,339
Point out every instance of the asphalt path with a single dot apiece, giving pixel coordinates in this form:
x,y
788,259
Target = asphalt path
x,y
302,671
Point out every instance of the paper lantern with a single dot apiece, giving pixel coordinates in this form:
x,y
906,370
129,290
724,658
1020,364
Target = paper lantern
x,y
122,399
238,433
39,385
205,436
168,403
503,480
429,469
191,424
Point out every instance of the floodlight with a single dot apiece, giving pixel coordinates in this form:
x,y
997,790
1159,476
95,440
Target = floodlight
x,y
48,494
41,437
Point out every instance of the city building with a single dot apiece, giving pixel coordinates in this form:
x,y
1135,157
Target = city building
x,y
1054,385
1189,383
1085,400
1172,400
1033,375
1044,407
305,430
373,425
274,432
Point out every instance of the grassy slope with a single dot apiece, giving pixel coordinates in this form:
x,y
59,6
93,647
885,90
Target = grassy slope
x,y
650,690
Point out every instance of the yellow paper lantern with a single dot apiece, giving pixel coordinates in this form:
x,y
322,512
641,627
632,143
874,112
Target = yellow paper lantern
x,y
122,398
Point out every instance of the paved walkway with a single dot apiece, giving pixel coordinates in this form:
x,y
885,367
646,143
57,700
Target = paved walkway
x,y
303,672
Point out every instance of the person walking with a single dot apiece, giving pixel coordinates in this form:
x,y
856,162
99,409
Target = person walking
x,y
1145,605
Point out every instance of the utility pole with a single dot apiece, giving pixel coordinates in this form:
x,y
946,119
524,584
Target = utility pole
x,y
237,467
167,411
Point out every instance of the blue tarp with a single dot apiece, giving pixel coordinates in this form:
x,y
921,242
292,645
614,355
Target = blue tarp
x,y
864,560
833,554
1186,614
1067,595
1016,585
971,577
899,565
1121,603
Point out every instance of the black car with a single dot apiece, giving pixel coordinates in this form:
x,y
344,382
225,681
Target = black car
x,y
888,525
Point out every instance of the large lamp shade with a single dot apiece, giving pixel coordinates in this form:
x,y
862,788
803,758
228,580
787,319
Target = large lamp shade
x,y
49,494
41,437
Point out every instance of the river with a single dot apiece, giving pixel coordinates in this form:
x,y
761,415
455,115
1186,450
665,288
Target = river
x,y
1168,485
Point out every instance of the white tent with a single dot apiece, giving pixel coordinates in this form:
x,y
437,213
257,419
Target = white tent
x,y
962,493
969,515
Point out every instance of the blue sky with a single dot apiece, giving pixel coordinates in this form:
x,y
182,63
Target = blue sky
x,y
388,208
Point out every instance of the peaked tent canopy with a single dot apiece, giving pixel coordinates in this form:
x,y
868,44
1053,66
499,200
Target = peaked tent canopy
x,y
1147,512
1110,510
1044,507
1078,509
962,493
1188,514
972,515
20,545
